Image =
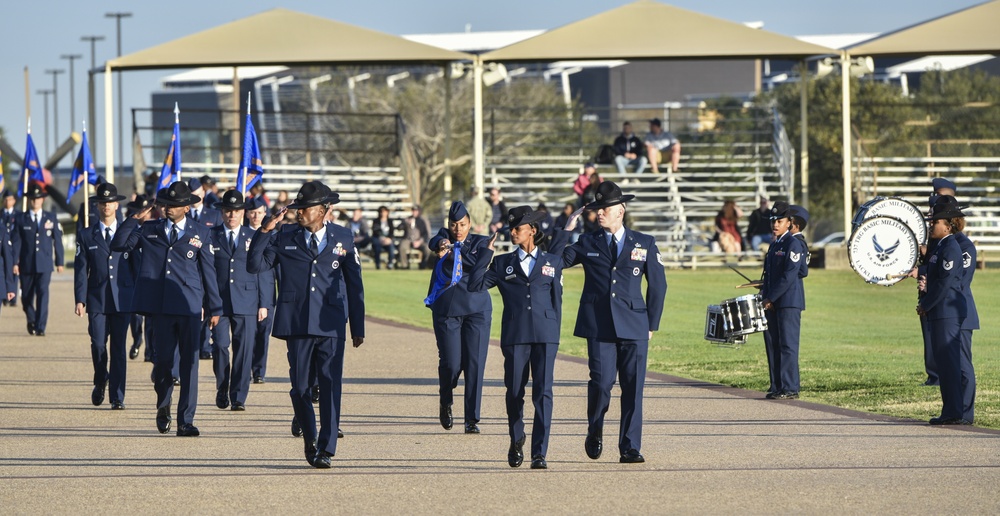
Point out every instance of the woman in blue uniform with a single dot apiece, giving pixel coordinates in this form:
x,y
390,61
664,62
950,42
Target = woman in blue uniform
x,y
944,306
461,318
530,284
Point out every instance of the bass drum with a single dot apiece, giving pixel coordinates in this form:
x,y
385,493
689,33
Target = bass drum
x,y
895,207
882,250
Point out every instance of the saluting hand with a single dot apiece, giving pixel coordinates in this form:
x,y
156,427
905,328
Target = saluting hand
x,y
79,306
357,341
493,240
271,222
573,218
141,215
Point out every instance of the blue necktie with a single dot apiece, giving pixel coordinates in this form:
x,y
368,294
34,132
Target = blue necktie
x,y
443,282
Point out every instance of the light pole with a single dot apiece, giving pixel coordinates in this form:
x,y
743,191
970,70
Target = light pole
x,y
72,88
45,114
121,146
91,108
55,105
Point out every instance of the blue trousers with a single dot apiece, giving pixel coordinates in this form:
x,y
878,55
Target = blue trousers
x,y
930,367
463,343
772,360
262,338
113,327
968,378
783,325
625,359
35,298
325,355
946,337
238,330
540,359
177,334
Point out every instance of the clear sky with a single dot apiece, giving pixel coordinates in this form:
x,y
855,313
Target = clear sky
x,y
35,33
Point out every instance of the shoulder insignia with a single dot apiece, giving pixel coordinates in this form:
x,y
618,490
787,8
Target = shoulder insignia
x,y
948,265
795,256
966,260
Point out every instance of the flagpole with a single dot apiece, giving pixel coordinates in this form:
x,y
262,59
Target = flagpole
x,y
24,173
243,183
177,121
86,187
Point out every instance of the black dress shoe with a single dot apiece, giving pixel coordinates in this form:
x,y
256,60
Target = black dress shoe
x,y
177,381
238,407
39,333
206,356
134,352
163,419
322,460
770,395
296,429
471,428
222,398
97,395
340,434
188,431
258,379
117,405
949,421
31,328
538,462
594,446
515,455
310,452
631,457
445,416
932,381
315,394
787,395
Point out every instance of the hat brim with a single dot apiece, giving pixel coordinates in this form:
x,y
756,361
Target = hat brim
x,y
190,201
116,198
530,218
950,214
223,206
596,205
332,199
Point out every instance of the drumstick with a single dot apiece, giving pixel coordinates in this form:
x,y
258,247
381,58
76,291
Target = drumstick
x,y
890,277
733,267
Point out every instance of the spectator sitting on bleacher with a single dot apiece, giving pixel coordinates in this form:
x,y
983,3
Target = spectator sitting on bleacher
x,y
582,185
759,226
567,210
590,193
480,212
590,221
281,202
382,233
629,151
727,228
499,210
359,228
416,232
660,142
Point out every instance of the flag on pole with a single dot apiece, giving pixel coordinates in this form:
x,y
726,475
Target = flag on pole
x,y
171,170
251,166
32,170
83,169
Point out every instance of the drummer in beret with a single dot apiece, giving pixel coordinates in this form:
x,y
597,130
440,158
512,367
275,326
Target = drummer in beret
x,y
783,300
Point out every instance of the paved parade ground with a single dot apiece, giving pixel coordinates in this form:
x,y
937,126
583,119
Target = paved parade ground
x,y
708,449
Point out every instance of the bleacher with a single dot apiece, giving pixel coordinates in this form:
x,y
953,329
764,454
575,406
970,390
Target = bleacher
x,y
977,179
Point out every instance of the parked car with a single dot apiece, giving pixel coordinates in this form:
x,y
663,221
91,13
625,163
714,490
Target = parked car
x,y
832,240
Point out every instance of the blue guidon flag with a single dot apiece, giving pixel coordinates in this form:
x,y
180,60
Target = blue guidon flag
x,y
251,166
32,170
83,169
171,170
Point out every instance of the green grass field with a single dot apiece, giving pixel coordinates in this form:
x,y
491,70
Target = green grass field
x,y
860,345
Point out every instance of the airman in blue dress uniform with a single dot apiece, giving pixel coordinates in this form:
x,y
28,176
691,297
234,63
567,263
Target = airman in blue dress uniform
x,y
8,215
615,317
461,318
256,210
8,282
103,287
141,330
800,219
530,282
784,300
203,213
242,306
176,289
944,306
38,242
320,291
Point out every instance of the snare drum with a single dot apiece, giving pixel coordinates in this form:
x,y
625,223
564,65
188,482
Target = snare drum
x,y
744,315
882,250
715,324
894,207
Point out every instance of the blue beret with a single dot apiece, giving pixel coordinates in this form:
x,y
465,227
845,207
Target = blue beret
x,y
194,184
800,212
940,182
254,203
780,210
457,211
